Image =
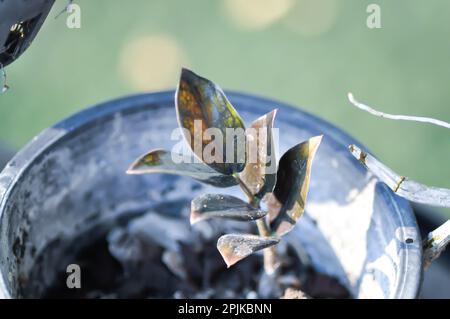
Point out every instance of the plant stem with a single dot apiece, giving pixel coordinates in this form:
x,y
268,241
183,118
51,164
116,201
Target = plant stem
x,y
270,254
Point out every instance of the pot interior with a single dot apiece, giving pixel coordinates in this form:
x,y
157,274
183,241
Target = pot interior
x,y
71,179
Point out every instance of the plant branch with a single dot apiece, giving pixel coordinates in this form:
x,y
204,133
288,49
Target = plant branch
x,y
372,111
401,185
5,86
404,187
436,242
270,253
438,239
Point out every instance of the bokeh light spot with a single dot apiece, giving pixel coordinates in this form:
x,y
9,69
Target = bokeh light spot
x,y
312,17
151,62
256,14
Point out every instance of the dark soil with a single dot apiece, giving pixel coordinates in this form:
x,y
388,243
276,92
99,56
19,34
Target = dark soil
x,y
160,255
202,274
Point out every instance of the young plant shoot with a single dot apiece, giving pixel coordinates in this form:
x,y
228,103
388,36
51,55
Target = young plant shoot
x,y
204,112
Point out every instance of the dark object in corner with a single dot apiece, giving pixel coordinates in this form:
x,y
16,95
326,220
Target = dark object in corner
x,y
20,21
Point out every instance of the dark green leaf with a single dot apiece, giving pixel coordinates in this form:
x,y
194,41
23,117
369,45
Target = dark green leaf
x,y
200,100
223,206
260,172
287,202
160,161
235,247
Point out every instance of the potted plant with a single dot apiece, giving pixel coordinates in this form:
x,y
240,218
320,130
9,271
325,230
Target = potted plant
x,y
65,200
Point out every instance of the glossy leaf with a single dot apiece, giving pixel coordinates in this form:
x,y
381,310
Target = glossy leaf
x,y
287,202
260,172
223,206
235,247
199,100
160,161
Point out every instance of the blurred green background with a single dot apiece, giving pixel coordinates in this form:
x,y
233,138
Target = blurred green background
x,y
309,53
